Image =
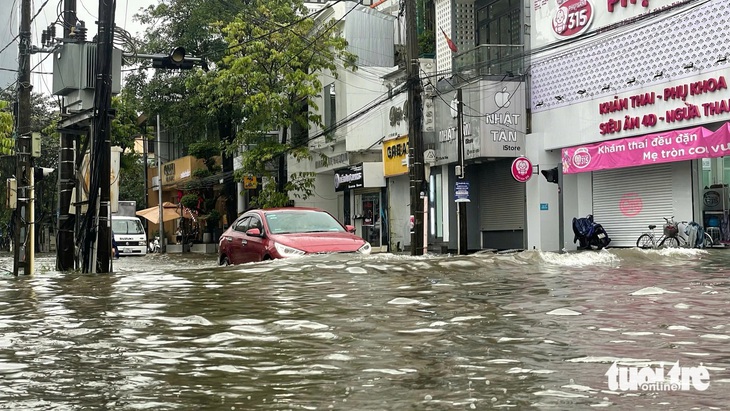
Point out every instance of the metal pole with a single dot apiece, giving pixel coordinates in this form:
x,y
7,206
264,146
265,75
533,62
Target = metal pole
x,y
561,209
461,207
163,248
415,132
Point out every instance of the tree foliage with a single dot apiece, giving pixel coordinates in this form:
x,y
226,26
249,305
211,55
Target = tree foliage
x,y
270,74
43,119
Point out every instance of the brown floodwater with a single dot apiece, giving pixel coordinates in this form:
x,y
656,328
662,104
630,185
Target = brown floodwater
x,y
526,330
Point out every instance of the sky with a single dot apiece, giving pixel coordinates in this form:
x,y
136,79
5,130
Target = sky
x,y
87,11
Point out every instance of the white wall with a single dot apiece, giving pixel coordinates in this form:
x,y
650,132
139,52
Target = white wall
x,y
399,199
542,226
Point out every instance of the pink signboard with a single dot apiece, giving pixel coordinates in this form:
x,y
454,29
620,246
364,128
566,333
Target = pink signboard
x,y
521,169
676,145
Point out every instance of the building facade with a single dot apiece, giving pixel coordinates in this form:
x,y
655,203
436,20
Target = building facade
x,y
631,104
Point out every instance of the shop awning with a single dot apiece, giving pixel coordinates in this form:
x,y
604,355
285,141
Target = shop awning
x,y
667,147
170,212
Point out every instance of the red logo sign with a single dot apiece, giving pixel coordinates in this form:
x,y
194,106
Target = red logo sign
x,y
521,169
572,18
630,204
581,157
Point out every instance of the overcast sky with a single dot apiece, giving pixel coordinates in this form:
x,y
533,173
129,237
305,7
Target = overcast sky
x,y
87,11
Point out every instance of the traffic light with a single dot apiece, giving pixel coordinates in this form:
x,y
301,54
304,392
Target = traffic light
x,y
40,172
176,60
551,175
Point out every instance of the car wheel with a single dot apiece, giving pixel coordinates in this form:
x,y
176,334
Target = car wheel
x,y
224,261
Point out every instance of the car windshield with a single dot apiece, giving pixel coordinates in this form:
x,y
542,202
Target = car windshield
x,y
127,227
301,221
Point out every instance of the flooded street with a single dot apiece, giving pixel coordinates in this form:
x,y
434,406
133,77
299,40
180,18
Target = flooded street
x,y
384,332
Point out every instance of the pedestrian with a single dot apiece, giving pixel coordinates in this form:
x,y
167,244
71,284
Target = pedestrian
x,y
115,248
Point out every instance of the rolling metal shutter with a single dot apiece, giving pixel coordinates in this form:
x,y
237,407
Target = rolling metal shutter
x,y
627,200
501,198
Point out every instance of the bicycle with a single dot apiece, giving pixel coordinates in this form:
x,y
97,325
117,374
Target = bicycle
x,y
670,238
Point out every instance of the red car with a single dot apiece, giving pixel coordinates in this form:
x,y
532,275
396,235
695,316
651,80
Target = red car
x,y
259,235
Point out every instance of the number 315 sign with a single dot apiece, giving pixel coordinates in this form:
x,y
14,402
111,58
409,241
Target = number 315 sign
x,y
572,18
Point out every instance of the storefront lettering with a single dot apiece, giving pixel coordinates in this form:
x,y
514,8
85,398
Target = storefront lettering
x,y
506,119
625,3
169,171
450,134
695,89
328,161
679,145
680,92
397,150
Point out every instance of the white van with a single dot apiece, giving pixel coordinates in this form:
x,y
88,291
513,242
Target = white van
x,y
129,235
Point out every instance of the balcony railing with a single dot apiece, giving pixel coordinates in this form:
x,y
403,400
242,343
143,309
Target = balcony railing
x,y
490,60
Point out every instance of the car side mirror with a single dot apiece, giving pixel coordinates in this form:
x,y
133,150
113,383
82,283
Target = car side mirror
x,y
253,232
350,228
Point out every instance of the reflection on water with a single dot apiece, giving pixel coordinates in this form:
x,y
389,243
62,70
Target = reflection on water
x,y
524,330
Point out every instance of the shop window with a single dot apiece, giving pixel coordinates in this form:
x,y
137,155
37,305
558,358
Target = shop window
x,y
330,112
435,208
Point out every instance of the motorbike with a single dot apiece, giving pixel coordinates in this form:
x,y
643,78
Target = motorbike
x,y
589,234
154,245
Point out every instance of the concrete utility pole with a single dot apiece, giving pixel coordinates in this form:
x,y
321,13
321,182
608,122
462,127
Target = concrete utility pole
x,y
65,240
415,132
22,238
100,165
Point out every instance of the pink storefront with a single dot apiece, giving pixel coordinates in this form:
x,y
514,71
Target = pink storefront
x,y
638,181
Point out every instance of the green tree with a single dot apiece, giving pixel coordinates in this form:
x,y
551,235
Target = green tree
x,y
7,149
196,26
270,74
125,128
43,118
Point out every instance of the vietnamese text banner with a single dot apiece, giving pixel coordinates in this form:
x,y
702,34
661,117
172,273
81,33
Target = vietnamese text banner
x,y
676,145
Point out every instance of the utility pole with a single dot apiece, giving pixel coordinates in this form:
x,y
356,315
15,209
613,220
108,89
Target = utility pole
x,y
99,210
23,240
461,172
415,132
163,245
65,240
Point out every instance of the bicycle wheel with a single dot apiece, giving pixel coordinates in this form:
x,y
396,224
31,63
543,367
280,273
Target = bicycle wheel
x,y
670,242
645,241
708,241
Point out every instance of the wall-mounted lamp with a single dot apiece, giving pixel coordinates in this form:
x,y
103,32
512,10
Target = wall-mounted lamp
x,y
539,104
632,80
659,74
581,92
689,66
722,59
559,98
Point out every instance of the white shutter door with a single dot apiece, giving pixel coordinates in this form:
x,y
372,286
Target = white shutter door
x,y
501,199
627,200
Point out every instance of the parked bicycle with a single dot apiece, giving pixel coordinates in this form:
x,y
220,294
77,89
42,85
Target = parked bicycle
x,y
672,236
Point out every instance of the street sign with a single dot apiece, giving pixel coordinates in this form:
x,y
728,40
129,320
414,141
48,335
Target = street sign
x,y
429,156
543,206
521,169
250,182
461,192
